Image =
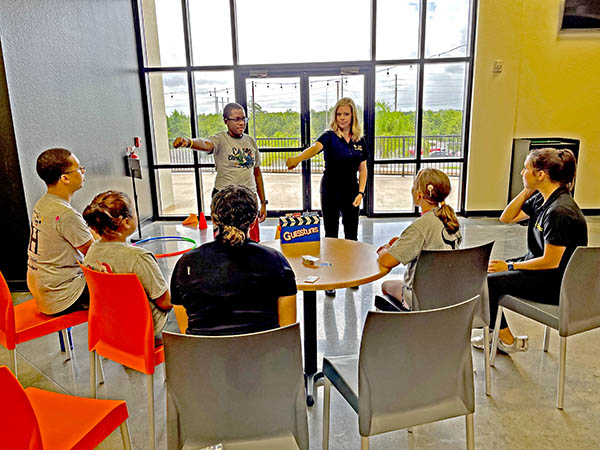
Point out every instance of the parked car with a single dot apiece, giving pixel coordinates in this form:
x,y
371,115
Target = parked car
x,y
438,153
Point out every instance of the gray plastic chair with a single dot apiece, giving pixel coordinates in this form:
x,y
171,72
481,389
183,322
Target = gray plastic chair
x,y
413,368
578,310
245,391
457,274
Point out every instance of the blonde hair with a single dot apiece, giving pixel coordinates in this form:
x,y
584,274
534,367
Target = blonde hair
x,y
435,187
355,129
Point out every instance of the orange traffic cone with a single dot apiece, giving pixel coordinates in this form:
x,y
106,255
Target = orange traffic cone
x,y
202,222
277,231
192,220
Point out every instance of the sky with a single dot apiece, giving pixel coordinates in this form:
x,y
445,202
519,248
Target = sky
x,y
288,31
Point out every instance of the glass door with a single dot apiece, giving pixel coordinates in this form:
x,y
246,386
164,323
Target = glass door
x,y
274,113
287,112
325,91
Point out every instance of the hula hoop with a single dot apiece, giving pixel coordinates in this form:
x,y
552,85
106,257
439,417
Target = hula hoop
x,y
173,238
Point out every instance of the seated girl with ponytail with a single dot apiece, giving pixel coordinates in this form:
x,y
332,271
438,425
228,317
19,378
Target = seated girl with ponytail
x,y
436,229
234,285
111,216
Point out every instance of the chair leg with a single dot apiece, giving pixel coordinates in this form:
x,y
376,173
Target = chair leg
x,y
125,435
100,368
93,374
61,342
546,338
470,432
364,443
67,345
326,411
496,335
150,392
560,402
12,361
486,360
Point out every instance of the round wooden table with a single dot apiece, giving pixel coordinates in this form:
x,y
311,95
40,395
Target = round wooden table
x,y
342,263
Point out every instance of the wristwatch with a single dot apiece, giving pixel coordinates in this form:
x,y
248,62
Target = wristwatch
x,y
511,266
264,202
361,193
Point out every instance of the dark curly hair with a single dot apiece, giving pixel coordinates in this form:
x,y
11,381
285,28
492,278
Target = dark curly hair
x,y
106,212
233,209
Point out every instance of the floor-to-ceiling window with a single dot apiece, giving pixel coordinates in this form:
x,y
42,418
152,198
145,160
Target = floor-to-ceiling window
x,y
406,63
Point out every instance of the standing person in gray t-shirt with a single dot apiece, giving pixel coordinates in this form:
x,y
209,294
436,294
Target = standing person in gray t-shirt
x,y
436,229
236,155
59,237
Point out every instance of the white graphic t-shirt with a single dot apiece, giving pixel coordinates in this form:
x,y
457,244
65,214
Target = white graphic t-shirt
x,y
53,275
235,160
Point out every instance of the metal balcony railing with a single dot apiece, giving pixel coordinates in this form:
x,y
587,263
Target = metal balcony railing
x,y
386,148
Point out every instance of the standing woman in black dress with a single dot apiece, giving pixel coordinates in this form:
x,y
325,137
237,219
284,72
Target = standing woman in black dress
x,y
345,155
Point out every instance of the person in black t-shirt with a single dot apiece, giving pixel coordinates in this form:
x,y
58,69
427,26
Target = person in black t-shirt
x,y
345,154
234,285
556,227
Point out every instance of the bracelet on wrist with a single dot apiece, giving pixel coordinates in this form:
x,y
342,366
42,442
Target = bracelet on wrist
x,y
361,193
189,143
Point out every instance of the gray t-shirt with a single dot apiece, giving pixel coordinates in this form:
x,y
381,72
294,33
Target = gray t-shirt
x,y
425,233
121,257
53,275
235,160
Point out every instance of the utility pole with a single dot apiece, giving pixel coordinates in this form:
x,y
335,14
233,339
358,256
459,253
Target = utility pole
x,y
216,101
396,92
337,85
253,113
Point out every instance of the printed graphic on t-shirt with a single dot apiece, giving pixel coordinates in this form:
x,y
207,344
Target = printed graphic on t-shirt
x,y
242,157
36,222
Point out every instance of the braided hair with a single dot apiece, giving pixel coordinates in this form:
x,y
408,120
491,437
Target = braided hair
x,y
107,211
233,209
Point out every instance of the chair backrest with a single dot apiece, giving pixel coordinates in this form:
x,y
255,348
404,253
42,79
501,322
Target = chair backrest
x,y
19,428
415,367
7,316
235,388
120,323
446,277
580,292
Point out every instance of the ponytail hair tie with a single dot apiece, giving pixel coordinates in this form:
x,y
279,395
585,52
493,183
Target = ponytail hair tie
x,y
442,203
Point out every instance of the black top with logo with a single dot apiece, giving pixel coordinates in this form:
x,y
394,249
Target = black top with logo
x,y
558,221
341,163
231,290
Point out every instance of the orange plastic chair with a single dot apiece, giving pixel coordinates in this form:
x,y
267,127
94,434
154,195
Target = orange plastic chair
x,y
34,419
24,322
120,328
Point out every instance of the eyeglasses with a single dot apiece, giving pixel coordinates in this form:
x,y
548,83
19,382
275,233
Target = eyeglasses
x,y
237,119
81,169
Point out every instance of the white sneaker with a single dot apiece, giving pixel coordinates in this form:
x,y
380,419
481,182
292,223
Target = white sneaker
x,y
520,344
477,341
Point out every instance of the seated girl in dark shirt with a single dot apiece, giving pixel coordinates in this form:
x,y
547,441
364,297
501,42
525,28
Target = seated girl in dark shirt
x,y
556,227
234,285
